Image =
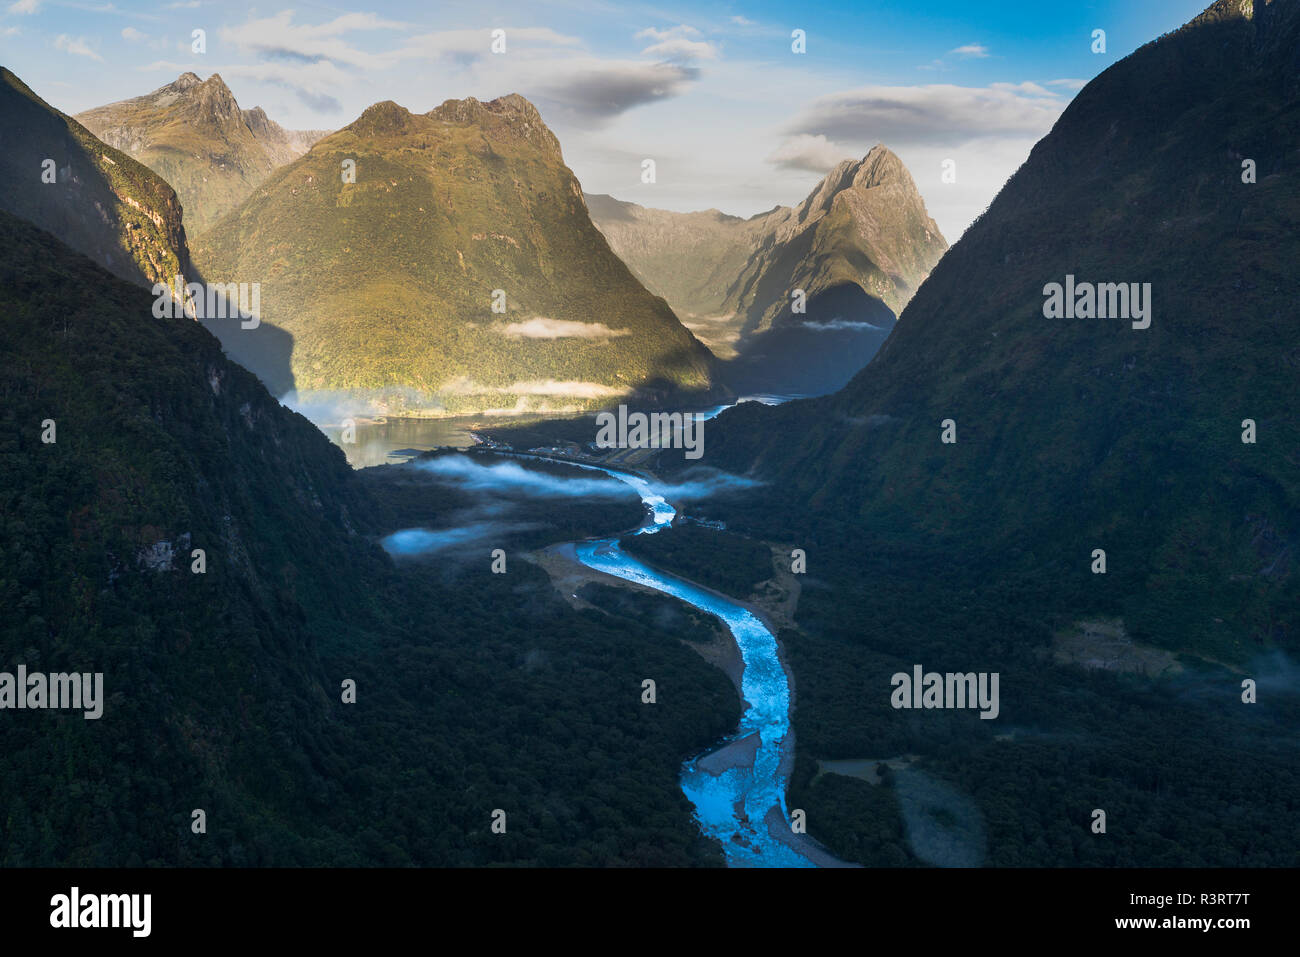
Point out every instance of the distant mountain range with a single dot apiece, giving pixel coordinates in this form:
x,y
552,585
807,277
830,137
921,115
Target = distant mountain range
x,y
383,253
858,247
459,272
1175,167
101,202
192,133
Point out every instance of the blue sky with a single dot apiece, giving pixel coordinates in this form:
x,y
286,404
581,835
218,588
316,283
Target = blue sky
x,y
713,92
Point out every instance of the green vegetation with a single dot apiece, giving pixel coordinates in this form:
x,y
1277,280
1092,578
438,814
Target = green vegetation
x,y
474,691
663,614
726,562
1073,435
101,202
855,820
386,284
1086,433
193,134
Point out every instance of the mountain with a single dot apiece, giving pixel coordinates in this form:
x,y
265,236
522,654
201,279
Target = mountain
x,y
101,202
192,133
1173,168
128,444
387,285
858,246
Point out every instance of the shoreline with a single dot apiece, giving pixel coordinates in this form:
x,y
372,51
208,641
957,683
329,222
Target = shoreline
x,y
561,564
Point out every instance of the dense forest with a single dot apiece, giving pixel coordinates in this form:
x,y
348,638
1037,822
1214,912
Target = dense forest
x,y
474,691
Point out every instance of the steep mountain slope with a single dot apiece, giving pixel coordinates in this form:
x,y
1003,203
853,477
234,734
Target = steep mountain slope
x,y
192,133
128,442
1077,434
388,284
858,246
99,201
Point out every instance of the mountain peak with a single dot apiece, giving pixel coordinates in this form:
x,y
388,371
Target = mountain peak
x,y
214,101
193,133
881,167
511,114
382,117
512,107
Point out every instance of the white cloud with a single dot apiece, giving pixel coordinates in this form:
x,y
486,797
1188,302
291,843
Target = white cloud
x,y
816,154
465,46
132,34
1027,88
839,324
574,389
972,50
743,21
1069,84
25,6
279,38
540,327
76,46
676,43
932,115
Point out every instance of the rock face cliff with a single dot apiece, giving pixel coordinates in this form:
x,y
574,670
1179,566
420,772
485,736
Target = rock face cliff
x,y
56,174
858,247
193,134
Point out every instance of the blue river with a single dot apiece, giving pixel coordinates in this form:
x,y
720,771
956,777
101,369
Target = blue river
x,y
732,806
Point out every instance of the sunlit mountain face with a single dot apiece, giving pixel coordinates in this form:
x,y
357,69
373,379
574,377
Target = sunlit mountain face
x,y
560,436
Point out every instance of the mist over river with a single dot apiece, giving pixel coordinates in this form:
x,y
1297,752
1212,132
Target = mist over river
x,y
737,787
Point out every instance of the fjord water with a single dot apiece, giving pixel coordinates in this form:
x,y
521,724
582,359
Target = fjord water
x,y
386,439
733,806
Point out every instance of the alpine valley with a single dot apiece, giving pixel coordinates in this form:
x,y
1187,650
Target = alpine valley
x,y
981,556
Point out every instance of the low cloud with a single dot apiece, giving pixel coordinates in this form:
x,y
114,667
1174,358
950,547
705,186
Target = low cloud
x,y
541,327
971,50
506,476
841,325
25,6
576,389
1068,84
412,542
815,154
513,477
132,34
